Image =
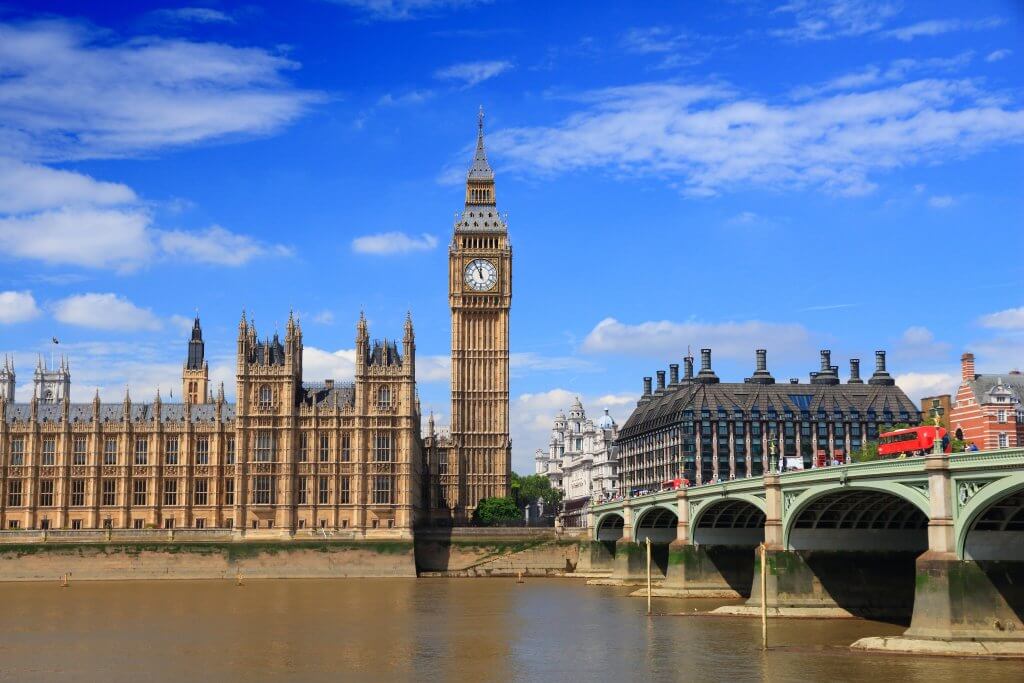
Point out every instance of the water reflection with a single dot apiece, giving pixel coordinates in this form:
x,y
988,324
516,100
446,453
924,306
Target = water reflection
x,y
422,630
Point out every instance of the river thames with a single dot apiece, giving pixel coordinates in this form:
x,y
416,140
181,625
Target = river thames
x,y
423,630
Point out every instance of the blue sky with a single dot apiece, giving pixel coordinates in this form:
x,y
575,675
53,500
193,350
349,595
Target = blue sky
x,y
787,175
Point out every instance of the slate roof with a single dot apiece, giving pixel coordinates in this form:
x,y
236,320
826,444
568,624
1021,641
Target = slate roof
x,y
480,218
113,412
666,406
983,384
321,395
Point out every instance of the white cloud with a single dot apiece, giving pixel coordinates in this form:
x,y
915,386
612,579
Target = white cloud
x,y
407,98
472,73
104,312
941,201
1010,319
665,338
829,19
198,15
396,10
70,92
712,139
998,55
433,368
918,335
17,307
530,361
318,364
533,415
919,342
219,246
182,323
32,187
91,237
935,27
917,385
392,243
324,317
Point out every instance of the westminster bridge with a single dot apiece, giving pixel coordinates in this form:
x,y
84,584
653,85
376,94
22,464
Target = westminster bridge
x,y
940,538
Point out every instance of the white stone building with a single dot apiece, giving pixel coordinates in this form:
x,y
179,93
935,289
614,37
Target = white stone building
x,y
581,461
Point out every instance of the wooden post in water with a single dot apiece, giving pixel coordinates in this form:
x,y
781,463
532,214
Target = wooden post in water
x,y
764,596
648,576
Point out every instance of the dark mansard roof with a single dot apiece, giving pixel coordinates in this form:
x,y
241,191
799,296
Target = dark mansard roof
x,y
113,412
666,406
324,395
384,353
981,385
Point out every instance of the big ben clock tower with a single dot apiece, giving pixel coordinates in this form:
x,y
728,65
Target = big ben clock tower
x,y
480,295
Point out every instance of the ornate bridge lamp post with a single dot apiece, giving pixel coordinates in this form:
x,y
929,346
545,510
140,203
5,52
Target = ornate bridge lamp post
x,y
772,463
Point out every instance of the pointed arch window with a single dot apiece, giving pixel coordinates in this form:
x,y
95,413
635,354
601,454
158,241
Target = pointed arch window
x,y
383,398
266,396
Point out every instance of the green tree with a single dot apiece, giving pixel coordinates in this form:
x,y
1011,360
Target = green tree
x,y
497,511
532,487
867,453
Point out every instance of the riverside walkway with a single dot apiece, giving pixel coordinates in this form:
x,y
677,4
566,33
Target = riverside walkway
x,y
938,537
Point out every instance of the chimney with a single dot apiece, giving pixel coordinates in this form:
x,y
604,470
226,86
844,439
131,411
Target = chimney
x,y
329,383
661,379
647,386
673,374
826,360
761,374
967,367
855,372
794,380
688,368
881,376
706,374
828,374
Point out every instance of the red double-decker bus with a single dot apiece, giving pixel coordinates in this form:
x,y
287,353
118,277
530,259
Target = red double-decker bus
x,y
912,441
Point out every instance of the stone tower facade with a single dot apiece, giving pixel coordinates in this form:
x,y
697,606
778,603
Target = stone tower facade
x,y
195,376
52,385
480,295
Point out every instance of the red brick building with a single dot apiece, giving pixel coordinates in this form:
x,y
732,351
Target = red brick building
x,y
988,409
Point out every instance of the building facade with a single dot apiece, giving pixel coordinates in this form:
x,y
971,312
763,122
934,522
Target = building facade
x,y
581,461
699,428
475,461
933,407
989,409
286,456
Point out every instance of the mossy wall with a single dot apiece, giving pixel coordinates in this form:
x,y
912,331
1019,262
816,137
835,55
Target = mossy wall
x,y
119,561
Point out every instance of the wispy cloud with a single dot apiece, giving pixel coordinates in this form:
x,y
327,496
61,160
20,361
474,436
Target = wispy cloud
x,y
197,15
218,246
385,243
998,55
406,98
711,139
659,338
830,19
936,27
941,201
70,92
472,73
1009,319
401,10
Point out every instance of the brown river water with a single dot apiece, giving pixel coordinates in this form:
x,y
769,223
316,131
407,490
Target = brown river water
x,y
425,630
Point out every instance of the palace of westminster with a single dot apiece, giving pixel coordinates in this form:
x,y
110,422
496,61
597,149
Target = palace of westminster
x,y
288,454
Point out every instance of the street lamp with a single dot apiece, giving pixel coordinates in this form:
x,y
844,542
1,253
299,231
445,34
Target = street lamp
x,y
772,464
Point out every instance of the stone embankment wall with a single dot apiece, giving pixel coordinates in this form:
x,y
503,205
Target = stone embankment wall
x,y
496,552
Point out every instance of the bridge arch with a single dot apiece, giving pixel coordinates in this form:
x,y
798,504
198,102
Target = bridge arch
x,y
889,516
609,527
983,524
737,519
657,522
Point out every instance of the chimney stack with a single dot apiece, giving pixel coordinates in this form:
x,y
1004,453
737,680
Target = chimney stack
x,y
673,374
661,379
855,372
826,360
881,376
967,367
706,374
761,374
647,386
828,374
688,368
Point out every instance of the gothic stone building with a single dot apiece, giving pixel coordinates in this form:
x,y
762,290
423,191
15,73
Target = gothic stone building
x,y
703,429
287,456
474,462
989,409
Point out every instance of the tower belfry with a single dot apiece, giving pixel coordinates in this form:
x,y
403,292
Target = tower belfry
x,y
195,376
480,296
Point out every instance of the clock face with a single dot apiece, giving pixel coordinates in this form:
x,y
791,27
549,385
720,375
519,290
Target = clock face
x,y
481,275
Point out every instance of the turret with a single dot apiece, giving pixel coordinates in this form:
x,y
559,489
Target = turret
x,y
7,380
195,376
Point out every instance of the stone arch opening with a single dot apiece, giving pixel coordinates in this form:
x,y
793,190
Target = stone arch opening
x,y
725,534
997,531
861,545
660,525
